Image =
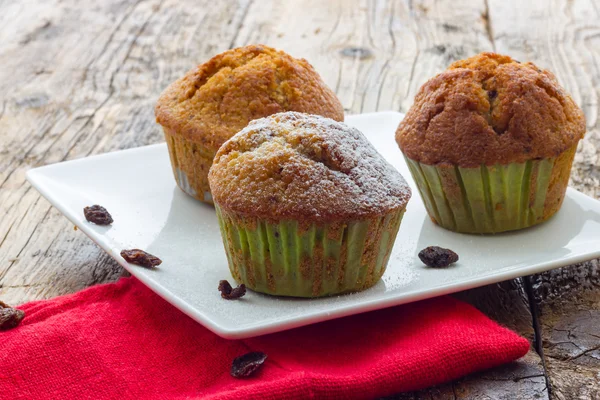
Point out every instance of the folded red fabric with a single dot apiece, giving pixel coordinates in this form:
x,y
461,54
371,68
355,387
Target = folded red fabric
x,y
122,341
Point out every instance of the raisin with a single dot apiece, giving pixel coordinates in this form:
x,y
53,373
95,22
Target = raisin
x,y
437,257
140,257
229,293
98,215
492,94
225,287
246,365
237,292
10,317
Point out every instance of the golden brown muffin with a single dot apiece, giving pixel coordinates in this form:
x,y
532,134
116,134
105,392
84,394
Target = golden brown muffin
x,y
307,206
490,109
490,143
215,100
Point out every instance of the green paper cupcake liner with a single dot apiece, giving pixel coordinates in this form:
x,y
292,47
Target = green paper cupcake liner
x,y
492,199
286,258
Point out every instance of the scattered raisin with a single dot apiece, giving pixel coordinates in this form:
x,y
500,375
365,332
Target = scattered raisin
x,y
140,257
492,94
10,317
229,293
98,215
437,257
246,365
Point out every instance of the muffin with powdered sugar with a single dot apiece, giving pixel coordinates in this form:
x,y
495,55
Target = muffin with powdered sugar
x,y
307,206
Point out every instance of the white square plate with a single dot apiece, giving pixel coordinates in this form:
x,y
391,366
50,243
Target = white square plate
x,y
151,213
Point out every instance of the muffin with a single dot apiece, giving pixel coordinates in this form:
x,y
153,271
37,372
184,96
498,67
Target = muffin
x,y
490,143
215,100
306,205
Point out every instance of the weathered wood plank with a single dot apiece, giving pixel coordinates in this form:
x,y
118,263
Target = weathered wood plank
x,y
78,81
375,54
564,36
571,332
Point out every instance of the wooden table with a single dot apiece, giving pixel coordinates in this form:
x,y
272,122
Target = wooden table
x,y
77,80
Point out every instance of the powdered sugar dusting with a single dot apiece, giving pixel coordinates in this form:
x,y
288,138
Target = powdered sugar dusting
x,y
304,166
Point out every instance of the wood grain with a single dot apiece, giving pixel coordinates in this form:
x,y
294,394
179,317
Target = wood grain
x,y
80,80
87,82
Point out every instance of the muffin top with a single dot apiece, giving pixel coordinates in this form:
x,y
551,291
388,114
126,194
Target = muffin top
x,y
490,109
307,168
217,99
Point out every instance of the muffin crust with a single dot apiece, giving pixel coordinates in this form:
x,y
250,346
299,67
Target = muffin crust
x,y
217,99
306,168
490,109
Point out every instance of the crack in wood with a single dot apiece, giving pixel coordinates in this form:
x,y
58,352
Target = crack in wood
x,y
488,25
24,157
16,258
339,78
7,233
110,39
553,344
389,27
596,8
382,77
370,22
35,33
21,220
413,66
580,354
50,245
241,24
385,68
78,136
335,24
192,36
515,379
25,286
538,343
363,97
111,87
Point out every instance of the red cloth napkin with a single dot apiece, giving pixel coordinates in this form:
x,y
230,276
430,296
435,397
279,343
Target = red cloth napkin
x,y
122,341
